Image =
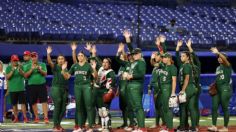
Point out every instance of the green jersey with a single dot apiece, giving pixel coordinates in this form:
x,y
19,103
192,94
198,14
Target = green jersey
x,y
58,78
167,73
125,66
16,82
138,70
82,73
186,69
223,75
36,78
25,65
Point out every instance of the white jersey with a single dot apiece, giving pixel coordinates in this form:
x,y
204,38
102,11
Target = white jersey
x,y
3,81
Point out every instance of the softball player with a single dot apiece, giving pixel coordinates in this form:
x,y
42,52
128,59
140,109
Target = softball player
x,y
59,89
82,89
224,90
187,88
168,86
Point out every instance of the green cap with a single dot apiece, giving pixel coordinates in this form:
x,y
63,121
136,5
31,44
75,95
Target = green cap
x,y
166,55
136,51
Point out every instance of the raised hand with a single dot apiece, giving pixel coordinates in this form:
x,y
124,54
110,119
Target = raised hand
x,y
158,41
49,50
73,46
88,46
179,43
93,49
214,50
127,34
64,66
121,48
162,38
189,42
153,55
93,64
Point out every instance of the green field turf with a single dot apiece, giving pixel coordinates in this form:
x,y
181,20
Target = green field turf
x,y
116,121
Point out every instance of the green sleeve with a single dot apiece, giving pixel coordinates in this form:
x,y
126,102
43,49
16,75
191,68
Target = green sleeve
x,y
8,69
178,61
71,71
44,67
196,60
130,47
164,48
141,70
113,79
173,71
120,62
187,70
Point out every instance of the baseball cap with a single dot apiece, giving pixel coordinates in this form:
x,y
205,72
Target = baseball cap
x,y
27,52
33,54
14,58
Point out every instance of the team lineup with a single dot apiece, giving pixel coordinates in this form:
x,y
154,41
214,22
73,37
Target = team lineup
x,y
95,86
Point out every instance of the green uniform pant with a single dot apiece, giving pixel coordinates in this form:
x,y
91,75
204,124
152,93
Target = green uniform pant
x,y
59,96
135,92
222,98
100,103
123,101
157,100
167,113
94,106
189,107
83,98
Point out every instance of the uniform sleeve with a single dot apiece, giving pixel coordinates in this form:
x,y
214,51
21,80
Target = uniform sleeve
x,y
120,62
8,69
71,71
141,70
178,61
44,67
196,60
130,47
173,71
187,70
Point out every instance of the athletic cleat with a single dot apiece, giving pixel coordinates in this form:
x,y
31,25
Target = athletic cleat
x,y
129,129
191,129
78,130
36,120
224,129
89,130
212,129
57,129
61,128
26,120
15,120
46,121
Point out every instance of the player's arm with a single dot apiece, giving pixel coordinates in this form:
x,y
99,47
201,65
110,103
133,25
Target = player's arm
x,y
30,71
94,71
174,80
222,56
152,60
186,71
196,60
65,73
127,36
120,51
49,59
73,48
162,47
179,44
